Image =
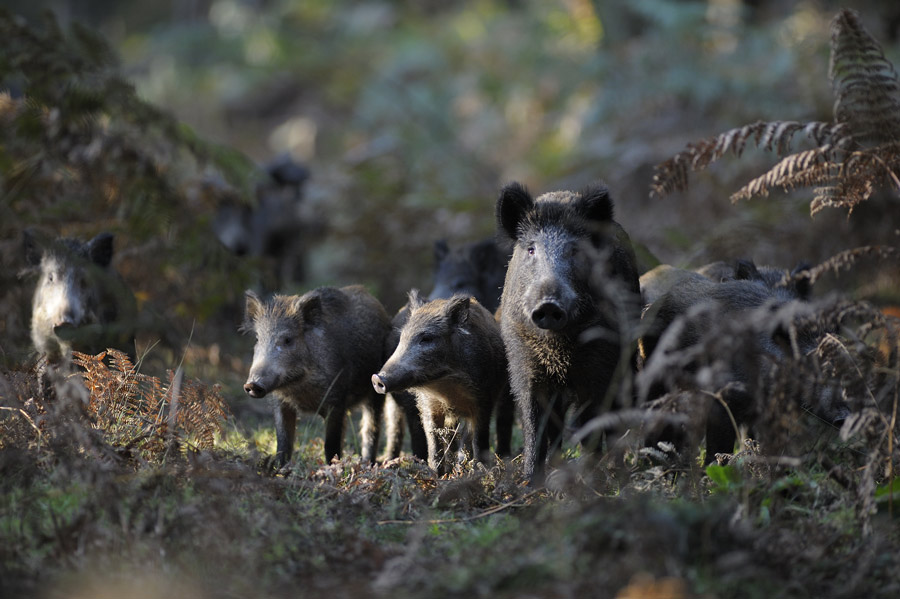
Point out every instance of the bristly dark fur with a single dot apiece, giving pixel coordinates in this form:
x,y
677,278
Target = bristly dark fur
x,y
552,367
595,197
302,308
98,250
593,204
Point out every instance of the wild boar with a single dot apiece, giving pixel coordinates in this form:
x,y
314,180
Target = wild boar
x,y
450,356
570,299
315,353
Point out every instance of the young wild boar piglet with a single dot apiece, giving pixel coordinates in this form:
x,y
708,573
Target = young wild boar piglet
x,y
315,353
476,269
450,356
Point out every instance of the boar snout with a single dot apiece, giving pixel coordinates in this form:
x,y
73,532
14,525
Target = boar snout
x,y
549,315
254,389
379,383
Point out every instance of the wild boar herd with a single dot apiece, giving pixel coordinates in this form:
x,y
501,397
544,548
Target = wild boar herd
x,y
551,321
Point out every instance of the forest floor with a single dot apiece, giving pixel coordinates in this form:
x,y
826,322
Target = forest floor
x,y
88,512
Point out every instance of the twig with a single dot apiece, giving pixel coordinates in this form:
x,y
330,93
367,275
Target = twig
x,y
487,512
26,416
890,454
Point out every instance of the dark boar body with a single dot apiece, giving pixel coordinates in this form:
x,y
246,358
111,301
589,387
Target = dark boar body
x,y
796,282
657,281
570,296
450,356
277,229
476,269
315,353
745,321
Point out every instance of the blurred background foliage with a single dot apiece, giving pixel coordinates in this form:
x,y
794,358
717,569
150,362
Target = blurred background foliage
x,y
410,115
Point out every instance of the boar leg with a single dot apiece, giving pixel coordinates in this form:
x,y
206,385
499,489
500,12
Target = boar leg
x,y
541,426
432,423
404,407
334,432
720,433
370,426
394,421
504,422
417,438
481,439
285,432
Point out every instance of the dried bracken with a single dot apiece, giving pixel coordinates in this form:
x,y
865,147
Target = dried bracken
x,y
855,154
141,410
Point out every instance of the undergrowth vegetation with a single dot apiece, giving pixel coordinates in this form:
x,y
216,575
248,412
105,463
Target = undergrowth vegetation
x,y
856,153
126,482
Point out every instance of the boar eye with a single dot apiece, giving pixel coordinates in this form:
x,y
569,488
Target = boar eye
x,y
287,341
531,250
427,339
50,278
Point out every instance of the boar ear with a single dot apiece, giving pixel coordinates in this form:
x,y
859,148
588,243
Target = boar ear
x,y
595,203
253,309
100,249
310,309
781,336
441,249
802,280
745,270
31,246
513,203
415,300
458,309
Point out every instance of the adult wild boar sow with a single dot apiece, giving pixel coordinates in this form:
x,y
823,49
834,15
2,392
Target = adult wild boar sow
x,y
80,302
315,353
450,355
571,294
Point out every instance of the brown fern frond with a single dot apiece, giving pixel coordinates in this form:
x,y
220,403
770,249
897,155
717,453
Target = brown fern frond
x,y
848,258
202,410
93,367
120,361
813,175
776,136
864,81
828,196
812,165
856,153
